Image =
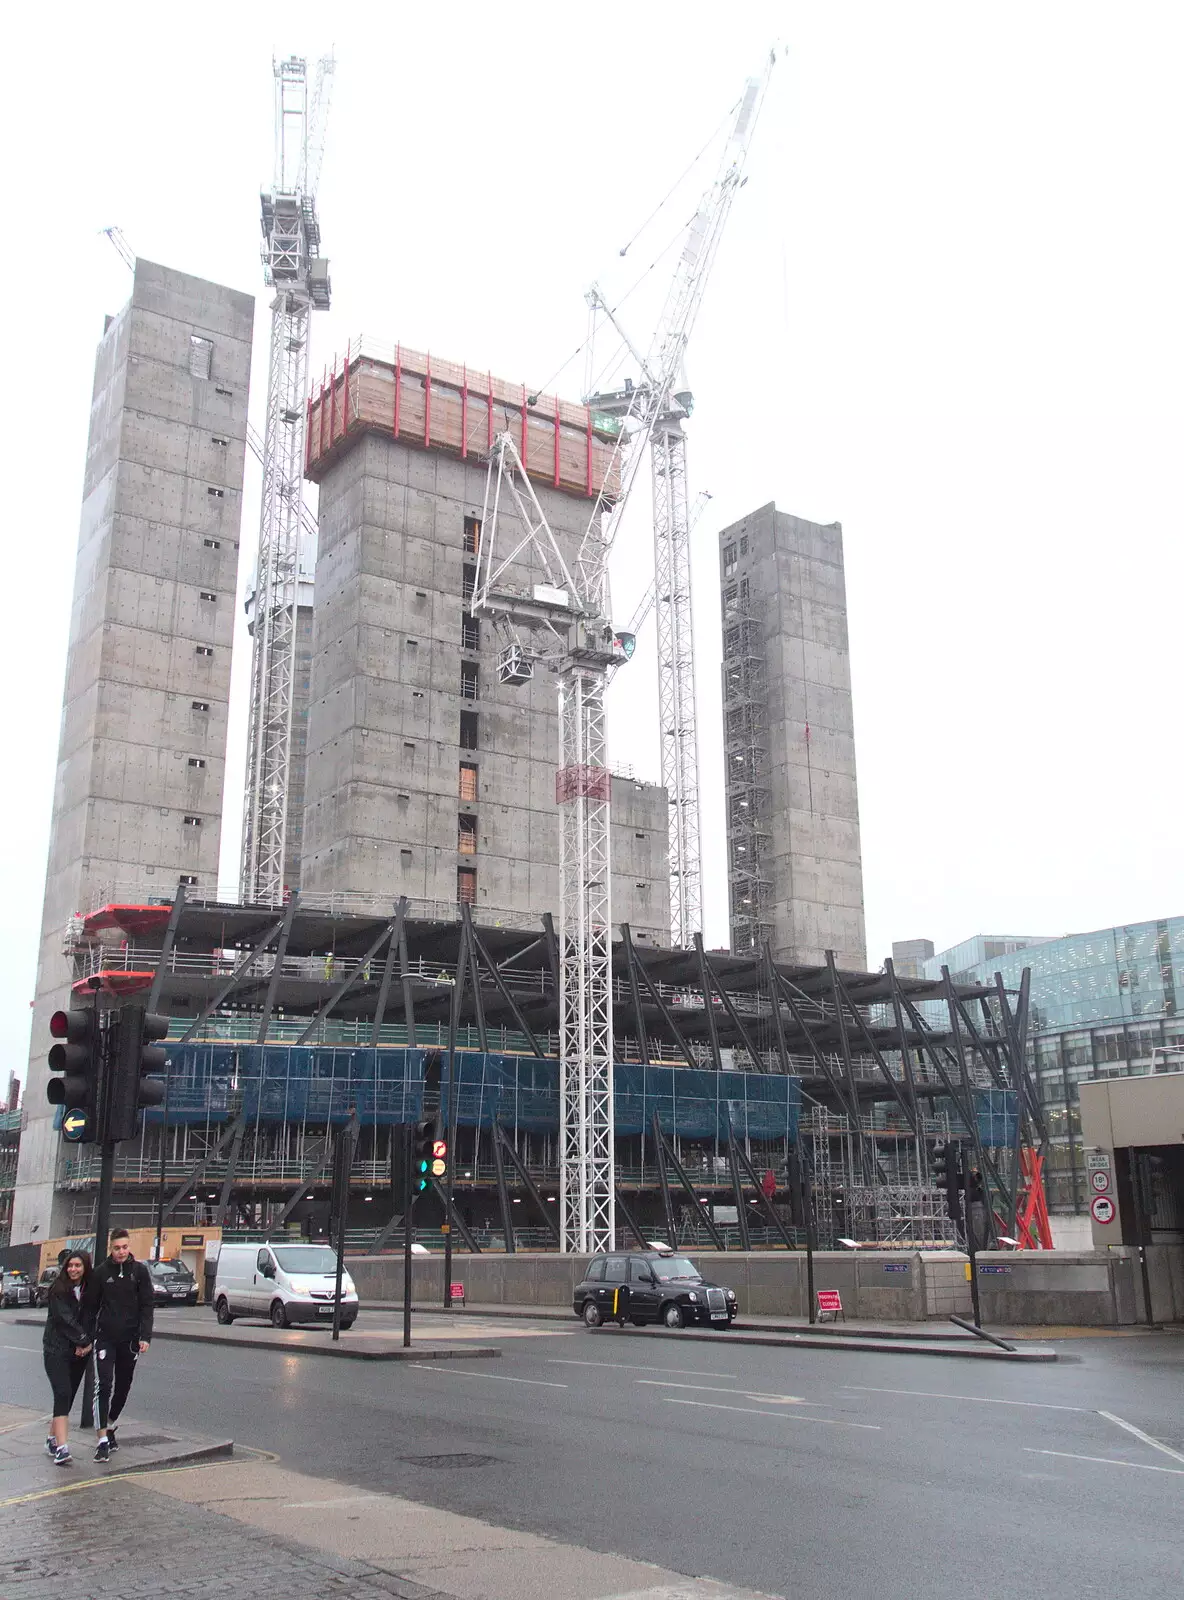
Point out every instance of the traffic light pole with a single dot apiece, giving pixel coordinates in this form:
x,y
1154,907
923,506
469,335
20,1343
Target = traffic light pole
x,y
408,1144
967,1222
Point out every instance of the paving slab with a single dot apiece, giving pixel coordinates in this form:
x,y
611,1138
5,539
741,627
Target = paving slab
x,y
26,1470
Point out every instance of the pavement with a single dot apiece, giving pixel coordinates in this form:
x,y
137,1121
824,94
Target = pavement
x,y
603,1463
381,1341
26,1471
903,1338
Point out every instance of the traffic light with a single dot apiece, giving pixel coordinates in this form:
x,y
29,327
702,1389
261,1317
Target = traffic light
x,y
136,1057
945,1167
424,1159
78,1056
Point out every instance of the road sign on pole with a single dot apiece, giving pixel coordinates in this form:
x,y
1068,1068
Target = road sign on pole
x,y
1100,1180
1102,1209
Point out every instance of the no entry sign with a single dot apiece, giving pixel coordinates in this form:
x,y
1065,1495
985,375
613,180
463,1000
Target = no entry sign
x,y
1102,1208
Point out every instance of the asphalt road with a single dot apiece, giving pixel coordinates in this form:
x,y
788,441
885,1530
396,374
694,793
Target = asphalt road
x,y
796,1472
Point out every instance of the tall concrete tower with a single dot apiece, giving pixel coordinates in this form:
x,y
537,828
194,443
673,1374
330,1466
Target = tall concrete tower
x,y
794,871
138,799
431,764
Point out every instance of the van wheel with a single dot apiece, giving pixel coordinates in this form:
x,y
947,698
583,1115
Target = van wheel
x,y
222,1311
347,1322
592,1317
279,1317
672,1315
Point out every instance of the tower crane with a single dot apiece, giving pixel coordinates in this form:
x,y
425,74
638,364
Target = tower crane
x,y
563,623
294,267
665,402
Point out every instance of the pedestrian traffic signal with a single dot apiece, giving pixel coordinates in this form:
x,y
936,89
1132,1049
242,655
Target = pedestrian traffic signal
x,y
136,1057
425,1159
78,1056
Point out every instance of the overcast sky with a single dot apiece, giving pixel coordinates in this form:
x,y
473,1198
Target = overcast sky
x,y
946,313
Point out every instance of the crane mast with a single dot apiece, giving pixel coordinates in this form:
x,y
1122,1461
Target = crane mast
x,y
294,267
666,403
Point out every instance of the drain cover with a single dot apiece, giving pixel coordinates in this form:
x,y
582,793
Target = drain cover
x,y
146,1439
456,1459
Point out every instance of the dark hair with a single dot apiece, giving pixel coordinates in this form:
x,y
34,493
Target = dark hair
x,y
117,1233
61,1284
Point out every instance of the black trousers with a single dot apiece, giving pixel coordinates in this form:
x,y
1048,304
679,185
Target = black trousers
x,y
115,1362
64,1372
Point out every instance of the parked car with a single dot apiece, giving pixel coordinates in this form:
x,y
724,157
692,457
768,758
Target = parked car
x,y
285,1282
172,1283
44,1284
651,1286
15,1290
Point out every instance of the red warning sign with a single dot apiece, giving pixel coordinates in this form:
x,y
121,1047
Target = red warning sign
x,y
1102,1209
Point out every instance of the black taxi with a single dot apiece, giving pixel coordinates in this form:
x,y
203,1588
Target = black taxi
x,y
651,1286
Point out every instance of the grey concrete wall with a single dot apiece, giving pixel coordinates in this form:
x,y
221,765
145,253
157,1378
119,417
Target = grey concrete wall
x,y
1034,1289
791,571
383,807
159,534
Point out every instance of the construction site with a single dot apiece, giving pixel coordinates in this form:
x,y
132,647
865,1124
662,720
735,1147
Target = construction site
x,y
443,877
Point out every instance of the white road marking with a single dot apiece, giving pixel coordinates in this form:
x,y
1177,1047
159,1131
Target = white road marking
x,y
27,1349
340,1500
494,1377
740,1394
1146,1437
979,1399
1105,1461
786,1416
626,1366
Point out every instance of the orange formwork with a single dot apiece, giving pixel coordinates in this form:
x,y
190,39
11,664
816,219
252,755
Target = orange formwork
x,y
438,405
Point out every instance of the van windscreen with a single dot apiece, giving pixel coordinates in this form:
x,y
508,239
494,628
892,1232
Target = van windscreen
x,y
306,1258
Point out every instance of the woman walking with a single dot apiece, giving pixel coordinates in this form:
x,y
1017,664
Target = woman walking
x,y
66,1343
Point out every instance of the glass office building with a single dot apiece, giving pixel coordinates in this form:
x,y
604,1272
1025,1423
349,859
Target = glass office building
x,y
1103,1005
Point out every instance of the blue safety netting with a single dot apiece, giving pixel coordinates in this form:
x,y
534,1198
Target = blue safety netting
x,y
995,1113
301,1083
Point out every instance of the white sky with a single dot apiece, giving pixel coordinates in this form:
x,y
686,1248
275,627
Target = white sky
x,y
946,313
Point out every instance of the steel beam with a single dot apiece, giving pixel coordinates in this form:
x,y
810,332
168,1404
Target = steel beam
x,y
664,1181
197,1172
273,981
687,1185
503,1195
232,982
166,948
340,990
635,992
500,1136
499,983
396,949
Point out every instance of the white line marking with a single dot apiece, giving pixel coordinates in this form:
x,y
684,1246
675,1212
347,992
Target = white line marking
x,y
786,1416
1139,1434
627,1366
739,1394
979,1399
340,1500
26,1349
494,1377
1105,1461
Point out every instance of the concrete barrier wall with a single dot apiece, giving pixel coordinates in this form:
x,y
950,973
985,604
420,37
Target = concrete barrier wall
x,y
1017,1288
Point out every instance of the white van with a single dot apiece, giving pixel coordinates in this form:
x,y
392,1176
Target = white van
x,y
286,1282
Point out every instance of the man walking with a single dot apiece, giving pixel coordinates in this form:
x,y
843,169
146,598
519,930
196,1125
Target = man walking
x,y
121,1304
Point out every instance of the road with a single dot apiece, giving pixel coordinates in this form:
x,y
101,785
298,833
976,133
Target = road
x,y
796,1472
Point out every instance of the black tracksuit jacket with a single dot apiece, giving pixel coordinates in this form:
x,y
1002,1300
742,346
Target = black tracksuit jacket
x,y
120,1301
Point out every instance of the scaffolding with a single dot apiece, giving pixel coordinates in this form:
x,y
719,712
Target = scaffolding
x,y
747,790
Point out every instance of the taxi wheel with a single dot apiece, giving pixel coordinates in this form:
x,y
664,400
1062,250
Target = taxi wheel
x,y
672,1315
592,1317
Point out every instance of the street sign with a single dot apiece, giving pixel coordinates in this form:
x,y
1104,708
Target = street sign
x,y
896,1266
456,1291
1099,1159
74,1126
1100,1180
984,1267
830,1300
1102,1209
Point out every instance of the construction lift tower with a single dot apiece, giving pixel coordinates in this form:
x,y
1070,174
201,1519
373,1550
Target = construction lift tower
x,y
659,404
294,267
563,623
